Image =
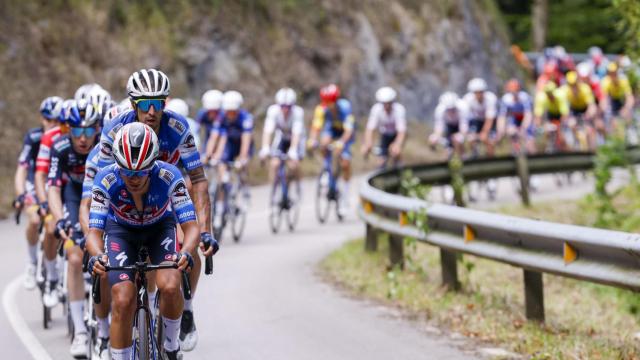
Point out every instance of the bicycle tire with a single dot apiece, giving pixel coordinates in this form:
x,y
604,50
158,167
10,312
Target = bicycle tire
x,y
322,203
91,323
46,316
293,214
143,345
275,209
238,221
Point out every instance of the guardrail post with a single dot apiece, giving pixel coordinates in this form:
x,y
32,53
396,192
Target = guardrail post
x,y
371,239
396,250
449,264
533,295
523,173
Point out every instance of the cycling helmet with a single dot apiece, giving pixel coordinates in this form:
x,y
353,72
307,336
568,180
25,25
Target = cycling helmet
x,y
148,83
50,107
83,91
100,99
231,101
572,78
612,67
477,85
594,51
125,105
82,114
385,95
330,93
178,106
584,69
212,100
513,85
135,146
64,109
110,114
448,99
286,96
550,86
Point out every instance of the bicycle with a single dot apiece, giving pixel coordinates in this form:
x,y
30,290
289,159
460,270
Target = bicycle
x,y
146,345
282,199
236,201
327,190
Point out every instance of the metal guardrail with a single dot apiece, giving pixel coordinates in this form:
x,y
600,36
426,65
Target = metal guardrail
x,y
595,255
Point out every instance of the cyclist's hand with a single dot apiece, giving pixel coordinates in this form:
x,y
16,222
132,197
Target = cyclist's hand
x,y
338,145
43,209
18,202
62,228
292,154
312,144
394,149
96,264
207,238
264,152
185,261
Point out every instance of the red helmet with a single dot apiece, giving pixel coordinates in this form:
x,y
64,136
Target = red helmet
x,y
330,93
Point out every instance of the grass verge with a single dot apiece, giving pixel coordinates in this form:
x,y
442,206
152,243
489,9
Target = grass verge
x,y
584,321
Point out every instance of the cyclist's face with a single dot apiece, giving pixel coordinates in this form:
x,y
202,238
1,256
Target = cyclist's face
x,y
387,107
135,184
151,117
479,95
231,114
285,110
83,143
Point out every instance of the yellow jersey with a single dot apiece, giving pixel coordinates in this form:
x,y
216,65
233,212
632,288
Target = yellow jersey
x,y
580,99
558,107
616,90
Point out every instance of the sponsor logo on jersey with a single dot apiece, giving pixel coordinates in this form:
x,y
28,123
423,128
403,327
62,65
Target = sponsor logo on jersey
x,y
90,172
180,195
121,257
114,130
176,125
168,257
123,193
166,243
98,222
109,180
98,196
166,176
194,164
187,214
190,142
123,277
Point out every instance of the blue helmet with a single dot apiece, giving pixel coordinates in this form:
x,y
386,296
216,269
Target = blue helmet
x,y
50,107
82,114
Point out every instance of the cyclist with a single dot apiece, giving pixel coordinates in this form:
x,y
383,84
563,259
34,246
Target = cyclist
x,y
82,93
482,105
148,90
101,101
451,123
180,107
50,296
283,133
133,204
582,107
618,98
209,115
515,118
551,105
24,182
338,130
388,117
66,174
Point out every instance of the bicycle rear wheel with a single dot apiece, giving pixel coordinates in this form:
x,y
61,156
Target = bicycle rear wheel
x,y
322,196
238,208
275,209
295,199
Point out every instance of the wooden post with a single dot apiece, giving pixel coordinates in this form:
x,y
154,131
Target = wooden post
x,y
396,250
523,173
449,266
533,295
371,239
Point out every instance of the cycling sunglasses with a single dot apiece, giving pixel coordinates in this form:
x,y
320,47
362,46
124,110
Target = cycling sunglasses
x,y
135,173
146,104
79,131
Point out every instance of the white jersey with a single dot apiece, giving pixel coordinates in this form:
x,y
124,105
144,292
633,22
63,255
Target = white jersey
x,y
458,117
286,128
388,123
487,109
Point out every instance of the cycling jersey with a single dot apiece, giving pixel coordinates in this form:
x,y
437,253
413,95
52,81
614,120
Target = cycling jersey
x,y
580,99
167,194
387,123
205,118
177,143
336,123
29,152
481,110
515,107
553,108
450,121
92,165
66,164
284,129
617,90
318,118
233,129
44,152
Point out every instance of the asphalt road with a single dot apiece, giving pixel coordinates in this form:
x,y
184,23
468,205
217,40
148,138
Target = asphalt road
x,y
265,299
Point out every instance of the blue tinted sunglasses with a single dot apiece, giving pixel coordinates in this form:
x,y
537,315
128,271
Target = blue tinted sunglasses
x,y
146,104
79,131
135,173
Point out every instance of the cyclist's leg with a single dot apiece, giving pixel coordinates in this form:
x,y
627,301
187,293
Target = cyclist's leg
x,y
385,142
345,164
121,252
169,281
31,233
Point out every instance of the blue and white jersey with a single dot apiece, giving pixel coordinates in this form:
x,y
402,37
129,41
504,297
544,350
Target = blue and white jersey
x,y
233,129
335,123
177,143
91,167
167,194
29,152
515,107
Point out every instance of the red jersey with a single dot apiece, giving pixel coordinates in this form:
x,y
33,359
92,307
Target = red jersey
x,y
44,154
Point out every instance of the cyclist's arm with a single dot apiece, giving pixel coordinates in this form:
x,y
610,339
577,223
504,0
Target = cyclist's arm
x,y
55,202
349,123
186,213
269,127
401,126
490,114
191,232
100,202
372,124
317,123
19,179
95,242
221,144
83,214
54,193
297,130
247,133
200,188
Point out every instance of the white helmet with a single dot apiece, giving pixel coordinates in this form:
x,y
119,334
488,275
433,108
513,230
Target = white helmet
x,y
135,146
178,106
477,85
212,100
111,114
100,99
583,69
83,91
125,105
148,83
385,95
231,101
286,96
448,99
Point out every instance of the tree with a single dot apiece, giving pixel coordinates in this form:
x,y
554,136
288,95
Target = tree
x,y
540,16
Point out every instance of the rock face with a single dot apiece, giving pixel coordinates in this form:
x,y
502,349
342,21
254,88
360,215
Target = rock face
x,y
419,47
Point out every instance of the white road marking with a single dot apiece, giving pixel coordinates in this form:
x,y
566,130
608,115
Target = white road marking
x,y
29,340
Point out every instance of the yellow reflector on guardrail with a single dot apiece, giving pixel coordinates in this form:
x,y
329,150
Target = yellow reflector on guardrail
x,y
368,207
402,217
570,253
468,233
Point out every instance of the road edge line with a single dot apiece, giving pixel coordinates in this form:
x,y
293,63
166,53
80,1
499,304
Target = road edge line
x,y
20,327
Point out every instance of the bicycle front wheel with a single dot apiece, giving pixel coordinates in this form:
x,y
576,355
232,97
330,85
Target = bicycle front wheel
x,y
238,209
275,209
322,196
295,199
142,336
